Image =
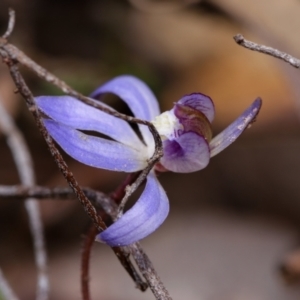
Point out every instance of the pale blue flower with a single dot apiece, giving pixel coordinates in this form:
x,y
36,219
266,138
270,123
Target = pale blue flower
x,y
185,131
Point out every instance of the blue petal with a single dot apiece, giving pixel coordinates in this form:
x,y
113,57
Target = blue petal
x,y
235,129
187,153
95,151
200,102
148,213
137,96
72,112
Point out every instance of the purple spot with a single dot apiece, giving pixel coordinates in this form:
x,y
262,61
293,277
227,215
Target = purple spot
x,y
172,149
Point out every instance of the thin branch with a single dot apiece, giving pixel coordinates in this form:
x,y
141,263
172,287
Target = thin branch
x,y
99,199
119,193
295,62
130,189
148,271
123,192
24,166
5,289
85,262
11,23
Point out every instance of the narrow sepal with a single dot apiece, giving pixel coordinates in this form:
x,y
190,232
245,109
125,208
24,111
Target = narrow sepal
x,y
72,112
95,151
235,129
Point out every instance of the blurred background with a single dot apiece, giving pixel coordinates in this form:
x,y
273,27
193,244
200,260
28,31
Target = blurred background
x,y
231,225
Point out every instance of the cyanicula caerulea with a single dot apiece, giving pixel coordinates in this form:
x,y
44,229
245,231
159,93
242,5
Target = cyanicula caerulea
x,y
185,131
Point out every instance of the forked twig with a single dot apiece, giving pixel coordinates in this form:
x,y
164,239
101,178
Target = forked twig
x,y
11,57
24,166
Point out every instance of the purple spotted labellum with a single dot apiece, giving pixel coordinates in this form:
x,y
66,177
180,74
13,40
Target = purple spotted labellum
x,y
185,131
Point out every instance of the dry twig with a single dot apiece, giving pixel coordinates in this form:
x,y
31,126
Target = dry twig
x,y
99,199
85,262
148,271
295,62
11,24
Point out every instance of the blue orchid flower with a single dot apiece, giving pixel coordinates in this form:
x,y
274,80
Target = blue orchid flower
x,y
185,131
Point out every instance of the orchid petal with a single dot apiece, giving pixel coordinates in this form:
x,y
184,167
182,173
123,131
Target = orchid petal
x,y
235,129
187,153
142,219
201,103
137,96
72,112
95,151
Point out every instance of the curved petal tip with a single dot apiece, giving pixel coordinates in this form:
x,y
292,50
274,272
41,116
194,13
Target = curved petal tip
x,y
201,103
142,219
